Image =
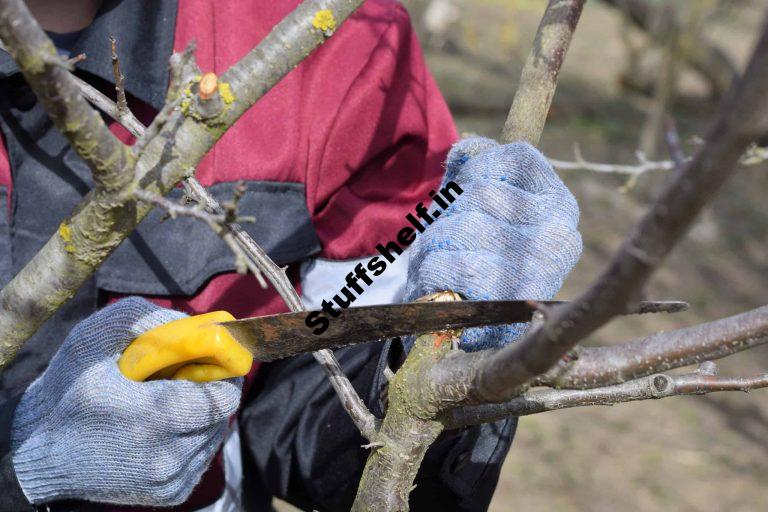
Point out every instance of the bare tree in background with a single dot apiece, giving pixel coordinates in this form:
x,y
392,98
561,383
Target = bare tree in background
x,y
437,388
680,27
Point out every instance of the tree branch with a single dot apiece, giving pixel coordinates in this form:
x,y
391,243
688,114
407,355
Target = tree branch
x,y
408,429
539,76
47,74
69,257
645,388
580,164
179,210
121,103
601,366
361,416
743,117
102,102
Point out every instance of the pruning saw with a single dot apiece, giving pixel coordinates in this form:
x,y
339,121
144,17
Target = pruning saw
x,y
215,346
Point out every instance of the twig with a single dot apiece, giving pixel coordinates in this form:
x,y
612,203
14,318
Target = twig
x,y
672,138
650,387
217,223
122,103
497,377
77,58
179,210
361,416
539,76
754,155
102,102
644,165
145,135
601,366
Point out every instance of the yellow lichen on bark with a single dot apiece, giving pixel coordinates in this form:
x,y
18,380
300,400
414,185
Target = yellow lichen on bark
x,y
226,92
324,20
65,232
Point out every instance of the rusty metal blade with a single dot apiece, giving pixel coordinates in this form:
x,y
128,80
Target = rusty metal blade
x,y
277,336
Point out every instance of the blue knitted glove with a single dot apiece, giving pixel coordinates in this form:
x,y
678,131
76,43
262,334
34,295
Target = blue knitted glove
x,y
511,234
84,431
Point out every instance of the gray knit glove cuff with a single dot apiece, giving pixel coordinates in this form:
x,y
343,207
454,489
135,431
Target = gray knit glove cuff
x,y
84,431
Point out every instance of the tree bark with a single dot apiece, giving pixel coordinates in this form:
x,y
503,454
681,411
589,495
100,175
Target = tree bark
x,y
538,81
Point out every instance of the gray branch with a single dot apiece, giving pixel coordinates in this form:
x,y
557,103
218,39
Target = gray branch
x,y
102,102
122,102
589,367
48,76
645,388
538,80
361,416
643,165
754,155
174,209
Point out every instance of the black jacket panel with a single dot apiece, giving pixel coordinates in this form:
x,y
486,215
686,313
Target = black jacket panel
x,y
300,445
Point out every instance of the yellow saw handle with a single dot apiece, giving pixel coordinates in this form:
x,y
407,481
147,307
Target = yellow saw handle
x,y
194,348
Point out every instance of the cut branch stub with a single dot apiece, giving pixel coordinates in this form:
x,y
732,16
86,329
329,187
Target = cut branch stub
x,y
209,84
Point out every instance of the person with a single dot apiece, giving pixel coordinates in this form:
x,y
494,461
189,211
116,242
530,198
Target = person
x,y
333,159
